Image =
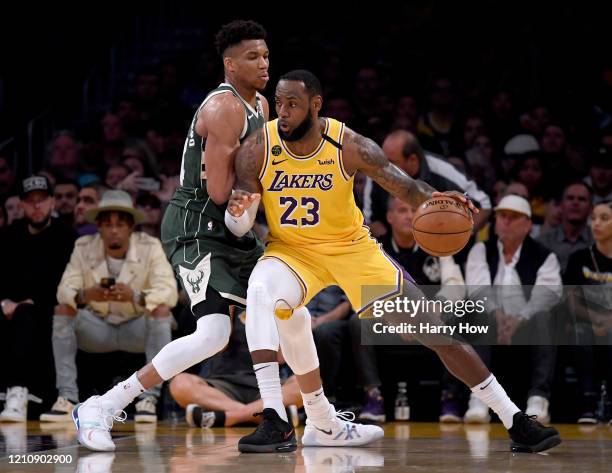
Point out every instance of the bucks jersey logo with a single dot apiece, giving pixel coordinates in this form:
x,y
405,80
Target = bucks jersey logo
x,y
195,282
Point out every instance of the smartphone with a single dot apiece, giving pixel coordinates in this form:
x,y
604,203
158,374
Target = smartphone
x,y
147,184
107,283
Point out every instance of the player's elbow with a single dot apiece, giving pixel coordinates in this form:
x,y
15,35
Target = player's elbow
x,y
219,198
218,194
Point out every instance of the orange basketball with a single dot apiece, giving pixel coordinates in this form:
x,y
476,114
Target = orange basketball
x,y
442,226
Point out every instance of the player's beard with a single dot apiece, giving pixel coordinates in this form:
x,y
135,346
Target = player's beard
x,y
299,132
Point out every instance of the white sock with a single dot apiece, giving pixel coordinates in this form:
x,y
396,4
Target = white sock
x,y
317,407
493,395
124,392
268,381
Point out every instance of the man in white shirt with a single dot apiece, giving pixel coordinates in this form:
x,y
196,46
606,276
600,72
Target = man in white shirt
x,y
116,294
521,281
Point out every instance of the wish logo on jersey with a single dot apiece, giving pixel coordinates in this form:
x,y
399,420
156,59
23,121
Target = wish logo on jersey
x,y
282,180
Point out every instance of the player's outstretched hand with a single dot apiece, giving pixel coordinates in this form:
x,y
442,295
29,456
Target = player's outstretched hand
x,y
463,198
240,201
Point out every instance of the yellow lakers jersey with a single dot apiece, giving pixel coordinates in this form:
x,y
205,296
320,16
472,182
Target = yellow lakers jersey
x,y
309,199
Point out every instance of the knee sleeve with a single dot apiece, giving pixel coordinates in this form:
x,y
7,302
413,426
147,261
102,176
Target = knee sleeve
x,y
261,331
272,286
210,337
297,342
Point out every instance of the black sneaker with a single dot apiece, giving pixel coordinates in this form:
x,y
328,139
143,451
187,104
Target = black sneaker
x,y
272,435
529,436
198,417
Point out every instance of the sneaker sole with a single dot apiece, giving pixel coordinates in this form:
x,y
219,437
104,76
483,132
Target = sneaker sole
x,y
145,418
310,439
450,419
477,420
283,447
545,444
373,417
13,419
587,421
55,418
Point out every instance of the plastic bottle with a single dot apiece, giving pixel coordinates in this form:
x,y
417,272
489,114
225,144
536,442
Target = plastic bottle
x,y
603,406
402,409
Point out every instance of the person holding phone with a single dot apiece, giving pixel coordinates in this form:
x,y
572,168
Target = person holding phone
x,y
115,295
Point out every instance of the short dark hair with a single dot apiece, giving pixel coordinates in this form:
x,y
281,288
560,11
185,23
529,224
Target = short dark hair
x,y
311,83
64,181
577,182
236,31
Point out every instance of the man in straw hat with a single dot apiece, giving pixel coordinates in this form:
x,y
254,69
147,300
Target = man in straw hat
x,y
115,295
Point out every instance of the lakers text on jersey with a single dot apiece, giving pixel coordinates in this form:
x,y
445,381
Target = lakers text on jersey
x,y
315,226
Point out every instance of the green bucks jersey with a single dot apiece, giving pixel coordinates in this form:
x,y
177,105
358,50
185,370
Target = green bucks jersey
x,y
191,193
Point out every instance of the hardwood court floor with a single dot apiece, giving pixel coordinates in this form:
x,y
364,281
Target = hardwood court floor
x,y
406,447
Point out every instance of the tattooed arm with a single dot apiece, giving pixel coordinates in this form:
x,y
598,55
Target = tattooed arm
x,y
363,154
242,206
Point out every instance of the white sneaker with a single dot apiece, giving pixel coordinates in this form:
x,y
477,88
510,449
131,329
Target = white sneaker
x,y
340,432
338,459
60,411
94,420
146,410
16,407
477,412
538,406
96,463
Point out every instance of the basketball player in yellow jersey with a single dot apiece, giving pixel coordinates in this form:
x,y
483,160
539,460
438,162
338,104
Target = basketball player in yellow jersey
x,y
302,167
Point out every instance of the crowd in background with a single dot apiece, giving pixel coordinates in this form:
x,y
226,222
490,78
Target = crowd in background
x,y
483,137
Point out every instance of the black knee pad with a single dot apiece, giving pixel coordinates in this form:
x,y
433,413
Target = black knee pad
x,y
214,304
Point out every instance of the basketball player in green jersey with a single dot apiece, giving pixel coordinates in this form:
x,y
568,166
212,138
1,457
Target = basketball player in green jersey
x,y
212,264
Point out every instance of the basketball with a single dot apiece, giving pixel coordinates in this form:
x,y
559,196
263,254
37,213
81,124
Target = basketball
x,y
442,226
